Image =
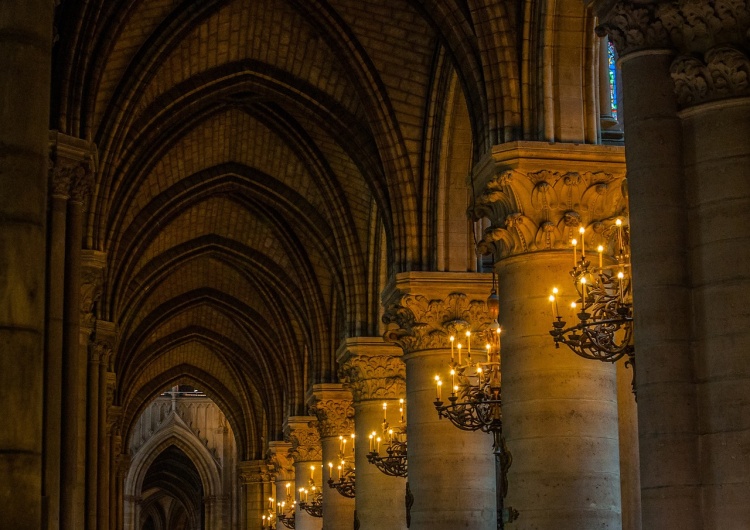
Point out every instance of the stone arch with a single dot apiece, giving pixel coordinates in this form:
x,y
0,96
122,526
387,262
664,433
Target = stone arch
x,y
174,433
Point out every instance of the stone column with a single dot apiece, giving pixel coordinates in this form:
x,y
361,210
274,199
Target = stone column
x,y
114,419
685,69
75,354
375,374
302,432
25,60
332,405
560,411
256,482
281,466
451,471
105,338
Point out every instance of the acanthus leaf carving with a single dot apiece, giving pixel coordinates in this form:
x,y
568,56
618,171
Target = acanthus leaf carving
x,y
419,323
724,73
542,210
305,443
335,417
374,377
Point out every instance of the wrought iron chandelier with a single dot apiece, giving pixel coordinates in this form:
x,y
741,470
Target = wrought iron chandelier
x,y
344,483
604,304
285,510
393,462
311,499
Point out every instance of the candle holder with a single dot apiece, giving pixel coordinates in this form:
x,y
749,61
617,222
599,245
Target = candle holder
x,y
393,463
345,484
604,327
287,520
314,507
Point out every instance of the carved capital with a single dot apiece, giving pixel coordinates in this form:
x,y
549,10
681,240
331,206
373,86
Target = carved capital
x,y
302,432
722,73
72,166
417,323
335,416
686,26
280,463
374,377
253,472
92,279
542,210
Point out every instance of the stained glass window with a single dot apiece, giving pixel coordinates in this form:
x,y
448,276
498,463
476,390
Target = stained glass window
x,y
612,78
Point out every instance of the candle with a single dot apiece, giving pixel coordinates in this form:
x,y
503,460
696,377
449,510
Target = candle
x,y
402,405
439,389
583,291
582,231
620,276
288,488
455,390
600,250
452,339
618,222
468,345
453,377
270,502
371,437
339,468
385,411
312,473
344,451
552,301
330,469
353,446
341,444
574,242
555,310
378,440
459,352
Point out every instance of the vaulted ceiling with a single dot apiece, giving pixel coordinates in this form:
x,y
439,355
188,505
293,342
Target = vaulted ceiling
x,y
263,167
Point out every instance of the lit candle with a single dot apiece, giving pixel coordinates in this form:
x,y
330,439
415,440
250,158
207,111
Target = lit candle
x,y
371,437
555,310
312,473
385,411
552,301
341,444
301,491
353,445
453,377
339,468
378,440
455,390
582,231
583,291
401,408
344,451
600,250
574,242
618,222
620,276
288,488
459,352
452,339
270,502
468,345
439,389
330,469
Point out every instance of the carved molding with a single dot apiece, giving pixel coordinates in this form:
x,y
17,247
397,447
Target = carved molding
x,y
724,72
542,210
335,416
686,26
370,377
72,167
305,440
253,472
417,323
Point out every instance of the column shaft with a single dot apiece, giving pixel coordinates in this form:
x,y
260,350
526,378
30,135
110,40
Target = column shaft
x,y
25,60
717,155
103,478
92,441
73,385
667,420
559,410
54,359
303,520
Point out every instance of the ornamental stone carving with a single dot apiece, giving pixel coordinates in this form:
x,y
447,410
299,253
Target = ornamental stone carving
x,y
335,416
374,377
687,26
279,461
723,73
72,166
253,472
114,421
92,279
543,210
305,440
417,323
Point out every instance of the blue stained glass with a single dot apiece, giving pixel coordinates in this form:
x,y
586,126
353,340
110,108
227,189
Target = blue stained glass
x,y
612,78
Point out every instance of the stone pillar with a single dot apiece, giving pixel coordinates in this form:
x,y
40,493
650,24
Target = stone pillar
x,y
560,414
256,482
302,432
78,304
281,466
332,405
375,373
685,69
105,339
114,419
451,472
